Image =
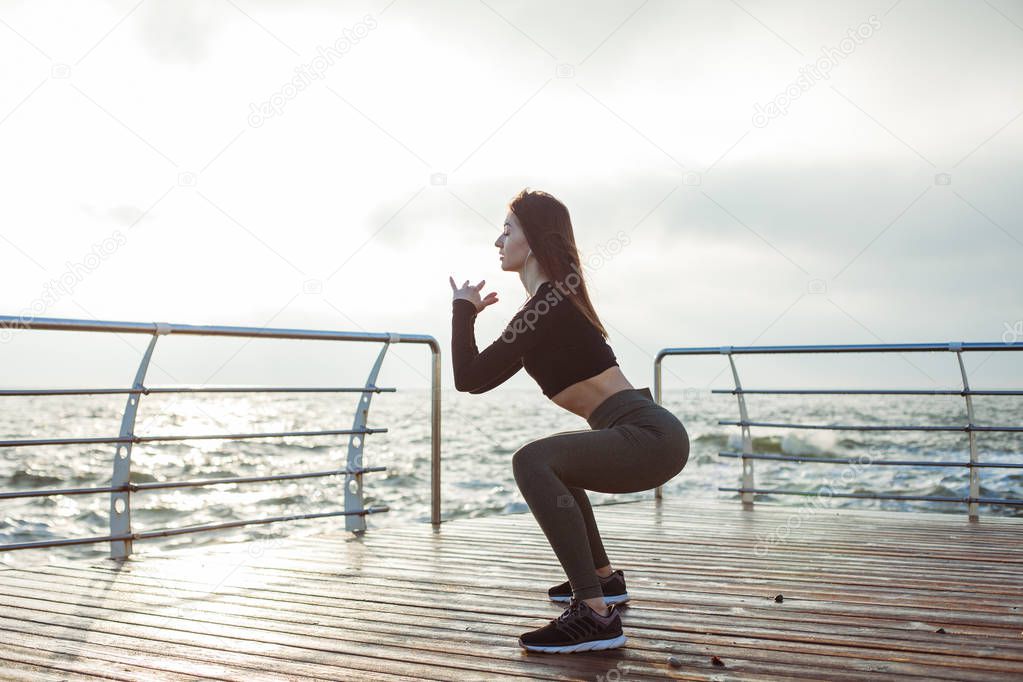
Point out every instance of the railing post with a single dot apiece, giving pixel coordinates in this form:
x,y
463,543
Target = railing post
x,y
658,495
353,479
435,436
120,501
747,440
972,506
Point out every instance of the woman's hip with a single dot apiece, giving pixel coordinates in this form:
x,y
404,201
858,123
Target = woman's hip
x,y
636,406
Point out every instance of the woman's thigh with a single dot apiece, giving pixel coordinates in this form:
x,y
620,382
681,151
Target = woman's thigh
x,y
627,457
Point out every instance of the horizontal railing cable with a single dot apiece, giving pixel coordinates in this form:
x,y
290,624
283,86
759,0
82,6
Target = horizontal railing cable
x,y
175,437
372,509
134,487
152,390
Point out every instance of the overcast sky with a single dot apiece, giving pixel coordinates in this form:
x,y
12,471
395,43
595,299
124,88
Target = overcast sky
x,y
782,172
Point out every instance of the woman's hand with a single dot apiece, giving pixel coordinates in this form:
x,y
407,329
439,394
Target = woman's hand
x,y
472,293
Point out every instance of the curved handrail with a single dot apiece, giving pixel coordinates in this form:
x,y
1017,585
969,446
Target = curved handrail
x,y
747,489
121,534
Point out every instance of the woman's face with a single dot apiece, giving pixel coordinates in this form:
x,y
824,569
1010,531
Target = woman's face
x,y
512,244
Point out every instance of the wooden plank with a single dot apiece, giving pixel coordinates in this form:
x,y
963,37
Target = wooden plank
x,y
64,637
906,593
708,592
34,668
480,635
682,555
732,551
694,657
229,613
51,657
864,592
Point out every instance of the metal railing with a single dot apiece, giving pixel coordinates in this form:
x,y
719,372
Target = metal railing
x,y
747,487
121,534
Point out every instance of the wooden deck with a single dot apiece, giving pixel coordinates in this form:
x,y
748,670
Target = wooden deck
x,y
866,595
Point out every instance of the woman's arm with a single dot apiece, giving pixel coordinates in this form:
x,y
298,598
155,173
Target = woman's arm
x,y
477,372
498,380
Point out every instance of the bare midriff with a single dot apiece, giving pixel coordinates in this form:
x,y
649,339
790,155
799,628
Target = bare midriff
x,y
583,396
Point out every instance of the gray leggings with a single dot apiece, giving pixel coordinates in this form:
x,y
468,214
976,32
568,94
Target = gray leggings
x,y
633,444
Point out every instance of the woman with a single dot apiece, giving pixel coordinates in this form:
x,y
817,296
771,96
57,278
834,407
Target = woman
x,y
633,444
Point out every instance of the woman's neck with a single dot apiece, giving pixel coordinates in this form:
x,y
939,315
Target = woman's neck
x,y
533,281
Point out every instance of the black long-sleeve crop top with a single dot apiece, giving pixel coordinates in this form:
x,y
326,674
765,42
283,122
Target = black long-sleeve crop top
x,y
548,336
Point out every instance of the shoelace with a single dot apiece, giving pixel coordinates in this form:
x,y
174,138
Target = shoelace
x,y
573,607
561,622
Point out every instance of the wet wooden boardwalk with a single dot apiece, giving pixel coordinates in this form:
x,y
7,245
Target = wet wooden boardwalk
x,y
864,595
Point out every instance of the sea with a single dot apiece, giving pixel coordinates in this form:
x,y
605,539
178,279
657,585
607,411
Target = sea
x,y
479,433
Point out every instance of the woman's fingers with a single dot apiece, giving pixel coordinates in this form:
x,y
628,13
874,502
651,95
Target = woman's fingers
x,y
490,298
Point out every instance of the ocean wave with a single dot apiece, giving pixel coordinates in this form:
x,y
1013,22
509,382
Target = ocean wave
x,y
24,478
12,527
791,443
215,473
282,501
92,517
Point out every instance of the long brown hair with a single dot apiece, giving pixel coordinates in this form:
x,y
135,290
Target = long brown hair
x,y
548,229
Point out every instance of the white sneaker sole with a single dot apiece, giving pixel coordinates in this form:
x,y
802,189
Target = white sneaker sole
x,y
595,645
616,599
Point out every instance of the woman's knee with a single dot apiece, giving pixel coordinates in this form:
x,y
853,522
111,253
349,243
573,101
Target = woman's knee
x,y
527,460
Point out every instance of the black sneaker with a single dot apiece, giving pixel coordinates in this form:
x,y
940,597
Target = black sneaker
x,y
579,628
613,586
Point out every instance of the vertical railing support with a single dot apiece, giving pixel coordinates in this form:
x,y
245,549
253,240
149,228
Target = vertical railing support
x,y
435,436
973,513
658,494
747,440
353,479
120,501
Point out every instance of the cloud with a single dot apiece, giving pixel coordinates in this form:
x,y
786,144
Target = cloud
x,y
124,214
179,32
